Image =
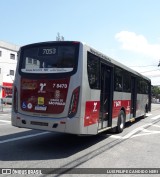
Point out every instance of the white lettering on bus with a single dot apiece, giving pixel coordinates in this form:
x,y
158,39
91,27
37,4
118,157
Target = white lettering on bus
x,y
60,85
117,103
95,107
100,55
49,51
42,85
56,103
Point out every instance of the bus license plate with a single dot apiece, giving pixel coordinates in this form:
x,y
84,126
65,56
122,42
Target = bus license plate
x,y
40,108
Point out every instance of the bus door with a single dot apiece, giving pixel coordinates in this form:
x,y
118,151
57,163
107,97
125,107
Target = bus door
x,y
133,96
106,96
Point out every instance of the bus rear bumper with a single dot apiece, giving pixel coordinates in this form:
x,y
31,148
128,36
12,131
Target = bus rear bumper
x,y
44,123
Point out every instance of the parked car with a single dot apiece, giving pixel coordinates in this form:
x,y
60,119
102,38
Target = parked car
x,y
7,99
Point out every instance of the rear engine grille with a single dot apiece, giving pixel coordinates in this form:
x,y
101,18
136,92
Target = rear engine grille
x,y
39,123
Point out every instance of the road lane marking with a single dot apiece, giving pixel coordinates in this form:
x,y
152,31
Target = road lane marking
x,y
156,117
116,136
156,126
147,132
141,128
3,114
134,133
148,114
6,121
23,137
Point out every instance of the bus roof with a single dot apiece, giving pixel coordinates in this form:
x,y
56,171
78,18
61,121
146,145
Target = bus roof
x,y
95,52
114,62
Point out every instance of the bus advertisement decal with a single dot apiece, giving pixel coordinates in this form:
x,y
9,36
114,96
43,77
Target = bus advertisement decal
x,y
118,104
47,95
40,100
91,113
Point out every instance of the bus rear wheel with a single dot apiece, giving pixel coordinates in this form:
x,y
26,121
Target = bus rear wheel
x,y
121,122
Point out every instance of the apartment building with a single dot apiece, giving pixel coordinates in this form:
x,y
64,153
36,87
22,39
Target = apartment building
x,y
8,62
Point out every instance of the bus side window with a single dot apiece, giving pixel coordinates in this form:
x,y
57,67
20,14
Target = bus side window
x,y
118,80
93,69
126,81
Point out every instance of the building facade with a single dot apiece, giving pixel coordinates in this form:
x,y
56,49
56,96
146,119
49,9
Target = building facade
x,y
8,63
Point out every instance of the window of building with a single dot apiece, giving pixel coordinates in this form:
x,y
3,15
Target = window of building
x,y
29,60
0,53
12,56
11,72
34,62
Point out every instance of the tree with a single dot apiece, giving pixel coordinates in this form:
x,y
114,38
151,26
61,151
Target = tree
x,y
155,91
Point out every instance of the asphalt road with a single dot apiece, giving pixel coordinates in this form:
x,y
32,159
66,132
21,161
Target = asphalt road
x,y
138,146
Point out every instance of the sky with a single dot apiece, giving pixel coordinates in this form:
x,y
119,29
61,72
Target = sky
x,y
125,30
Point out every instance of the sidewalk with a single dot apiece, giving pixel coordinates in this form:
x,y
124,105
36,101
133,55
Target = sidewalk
x,y
5,108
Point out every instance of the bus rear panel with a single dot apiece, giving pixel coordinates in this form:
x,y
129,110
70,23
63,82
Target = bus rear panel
x,y
47,87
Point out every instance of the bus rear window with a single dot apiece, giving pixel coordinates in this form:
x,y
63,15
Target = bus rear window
x,y
48,59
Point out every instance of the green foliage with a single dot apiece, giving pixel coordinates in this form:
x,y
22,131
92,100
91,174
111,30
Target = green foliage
x,y
155,91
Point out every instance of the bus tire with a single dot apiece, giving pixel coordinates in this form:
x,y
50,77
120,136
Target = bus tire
x,y
121,122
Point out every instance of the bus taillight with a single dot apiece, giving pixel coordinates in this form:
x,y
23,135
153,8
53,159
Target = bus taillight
x,y
74,103
15,100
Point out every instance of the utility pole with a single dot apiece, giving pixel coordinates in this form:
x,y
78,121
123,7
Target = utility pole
x,y
59,37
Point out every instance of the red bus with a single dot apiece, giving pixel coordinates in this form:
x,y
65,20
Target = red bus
x,y
67,86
